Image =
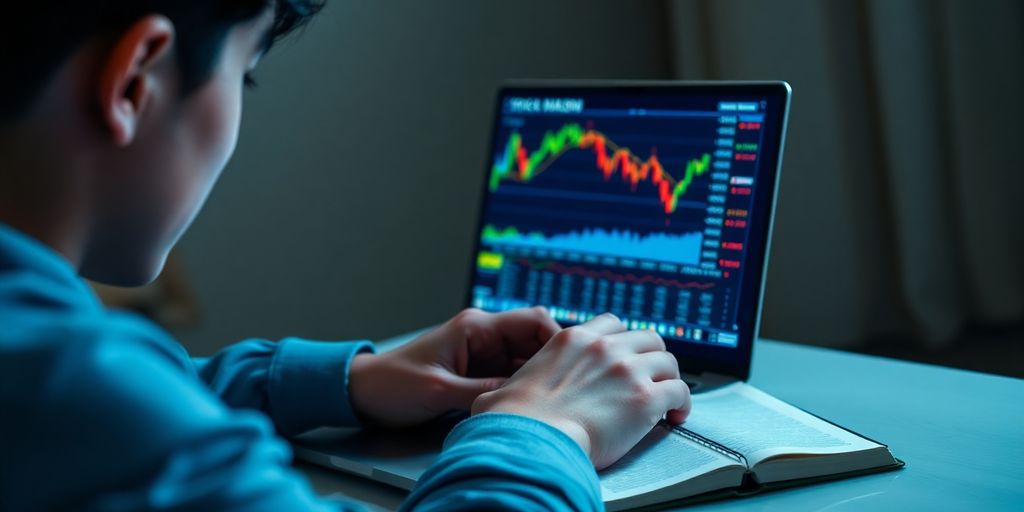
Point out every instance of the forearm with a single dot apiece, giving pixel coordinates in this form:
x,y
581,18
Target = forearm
x,y
300,384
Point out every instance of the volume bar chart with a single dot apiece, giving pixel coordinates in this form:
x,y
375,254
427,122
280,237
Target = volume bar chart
x,y
682,249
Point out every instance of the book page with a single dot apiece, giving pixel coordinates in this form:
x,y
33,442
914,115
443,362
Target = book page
x,y
660,459
759,425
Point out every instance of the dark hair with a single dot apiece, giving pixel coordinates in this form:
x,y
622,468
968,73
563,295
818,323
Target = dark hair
x,y
37,37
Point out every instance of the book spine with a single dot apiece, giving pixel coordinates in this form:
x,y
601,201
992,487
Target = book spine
x,y
708,443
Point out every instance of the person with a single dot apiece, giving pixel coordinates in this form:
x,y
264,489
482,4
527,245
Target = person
x,y
116,118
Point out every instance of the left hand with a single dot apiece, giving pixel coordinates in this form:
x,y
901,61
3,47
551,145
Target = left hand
x,y
446,368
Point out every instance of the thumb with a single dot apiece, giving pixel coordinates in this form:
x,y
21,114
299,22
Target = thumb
x,y
464,390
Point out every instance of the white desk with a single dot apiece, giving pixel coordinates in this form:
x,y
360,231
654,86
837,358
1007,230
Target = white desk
x,y
961,434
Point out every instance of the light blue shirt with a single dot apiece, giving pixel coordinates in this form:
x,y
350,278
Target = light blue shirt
x,y
103,411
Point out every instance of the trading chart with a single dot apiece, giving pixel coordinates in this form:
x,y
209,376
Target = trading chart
x,y
597,204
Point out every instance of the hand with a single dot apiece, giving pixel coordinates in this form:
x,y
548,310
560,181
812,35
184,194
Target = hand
x,y
602,385
446,368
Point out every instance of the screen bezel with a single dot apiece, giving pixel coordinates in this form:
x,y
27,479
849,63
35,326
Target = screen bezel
x,y
693,358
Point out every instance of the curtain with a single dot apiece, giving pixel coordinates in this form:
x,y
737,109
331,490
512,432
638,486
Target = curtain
x,y
900,209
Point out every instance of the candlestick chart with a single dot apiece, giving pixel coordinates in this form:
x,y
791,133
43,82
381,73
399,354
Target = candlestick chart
x,y
574,187
521,165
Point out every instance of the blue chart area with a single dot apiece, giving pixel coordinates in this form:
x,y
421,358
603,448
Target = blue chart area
x,y
683,249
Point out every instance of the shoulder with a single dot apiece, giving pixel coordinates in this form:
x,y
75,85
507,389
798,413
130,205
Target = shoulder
x,y
56,347
44,318
119,416
74,354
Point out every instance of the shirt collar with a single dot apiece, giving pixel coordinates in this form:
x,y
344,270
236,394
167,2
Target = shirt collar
x,y
21,252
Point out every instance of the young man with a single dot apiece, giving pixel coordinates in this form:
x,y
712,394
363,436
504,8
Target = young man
x,y
116,118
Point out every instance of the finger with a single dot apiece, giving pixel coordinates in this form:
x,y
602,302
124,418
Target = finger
x,y
524,326
516,334
638,341
673,395
606,323
493,340
659,365
462,391
677,416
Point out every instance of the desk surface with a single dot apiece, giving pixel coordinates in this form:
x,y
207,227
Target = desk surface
x,y
961,434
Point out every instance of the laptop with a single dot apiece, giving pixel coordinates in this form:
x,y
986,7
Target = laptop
x,y
652,200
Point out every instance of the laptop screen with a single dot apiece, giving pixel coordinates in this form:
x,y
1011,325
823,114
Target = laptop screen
x,y
653,202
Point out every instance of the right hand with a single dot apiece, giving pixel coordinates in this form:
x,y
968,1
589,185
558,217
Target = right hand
x,y
604,386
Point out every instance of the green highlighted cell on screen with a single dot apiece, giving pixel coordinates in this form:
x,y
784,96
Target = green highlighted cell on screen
x,y
490,260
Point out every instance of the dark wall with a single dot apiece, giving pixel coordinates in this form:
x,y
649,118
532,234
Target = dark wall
x,y
348,209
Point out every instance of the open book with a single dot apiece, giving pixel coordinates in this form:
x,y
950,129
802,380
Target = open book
x,y
739,440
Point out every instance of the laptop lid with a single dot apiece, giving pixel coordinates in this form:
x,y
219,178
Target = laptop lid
x,y
652,200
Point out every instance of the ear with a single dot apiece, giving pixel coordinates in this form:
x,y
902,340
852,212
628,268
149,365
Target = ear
x,y
128,78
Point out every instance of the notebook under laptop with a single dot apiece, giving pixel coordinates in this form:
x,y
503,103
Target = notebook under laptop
x,y
652,200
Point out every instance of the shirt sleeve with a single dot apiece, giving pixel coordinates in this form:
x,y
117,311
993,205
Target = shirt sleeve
x,y
121,427
299,384
496,462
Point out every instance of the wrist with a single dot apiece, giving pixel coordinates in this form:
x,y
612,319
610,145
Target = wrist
x,y
487,402
360,370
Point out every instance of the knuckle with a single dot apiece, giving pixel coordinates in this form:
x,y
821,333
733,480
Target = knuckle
x,y
468,321
599,347
641,393
684,391
572,336
563,339
657,337
436,384
621,369
671,363
468,315
613,317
